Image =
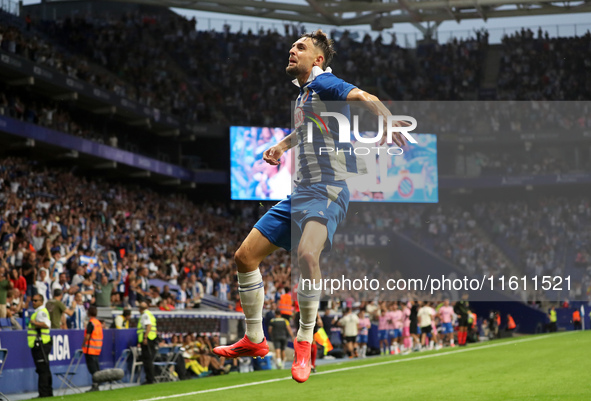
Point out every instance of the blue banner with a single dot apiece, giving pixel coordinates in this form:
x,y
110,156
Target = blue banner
x,y
514,181
26,130
19,374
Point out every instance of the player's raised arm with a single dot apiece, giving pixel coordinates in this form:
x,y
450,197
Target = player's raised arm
x,y
375,106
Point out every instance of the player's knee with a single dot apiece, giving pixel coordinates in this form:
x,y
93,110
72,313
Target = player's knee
x,y
241,258
308,260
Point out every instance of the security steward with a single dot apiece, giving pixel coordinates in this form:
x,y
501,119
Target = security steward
x,y
93,344
146,337
39,341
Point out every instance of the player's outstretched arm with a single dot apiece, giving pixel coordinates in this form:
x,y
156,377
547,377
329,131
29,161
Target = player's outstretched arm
x,y
375,106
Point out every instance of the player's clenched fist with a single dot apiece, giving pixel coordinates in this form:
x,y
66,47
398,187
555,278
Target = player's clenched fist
x,y
272,155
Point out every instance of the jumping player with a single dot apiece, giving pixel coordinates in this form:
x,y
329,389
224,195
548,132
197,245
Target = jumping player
x,y
318,204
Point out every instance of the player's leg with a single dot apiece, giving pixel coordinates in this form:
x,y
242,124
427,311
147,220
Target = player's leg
x,y
253,250
278,358
311,244
251,253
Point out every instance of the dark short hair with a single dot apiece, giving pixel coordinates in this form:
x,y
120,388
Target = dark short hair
x,y
126,312
325,44
92,311
57,292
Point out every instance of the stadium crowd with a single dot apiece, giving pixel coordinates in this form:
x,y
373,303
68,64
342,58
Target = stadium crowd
x,y
65,117
539,67
168,70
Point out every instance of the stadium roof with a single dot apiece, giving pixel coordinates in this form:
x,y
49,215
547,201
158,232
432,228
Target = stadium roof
x,y
379,14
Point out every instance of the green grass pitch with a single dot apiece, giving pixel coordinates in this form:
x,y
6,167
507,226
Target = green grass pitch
x,y
543,367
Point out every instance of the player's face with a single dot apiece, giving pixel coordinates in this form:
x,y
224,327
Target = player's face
x,y
303,55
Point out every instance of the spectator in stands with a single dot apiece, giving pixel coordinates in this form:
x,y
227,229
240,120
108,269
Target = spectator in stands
x,y
78,277
79,317
154,296
5,286
143,289
17,304
87,289
122,320
104,290
131,285
165,292
61,283
181,298
42,286
195,291
57,309
18,281
13,310
30,274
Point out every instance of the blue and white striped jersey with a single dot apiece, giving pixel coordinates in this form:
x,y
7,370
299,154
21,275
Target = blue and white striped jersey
x,y
316,97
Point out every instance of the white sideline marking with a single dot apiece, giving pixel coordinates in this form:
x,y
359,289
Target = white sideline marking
x,y
369,365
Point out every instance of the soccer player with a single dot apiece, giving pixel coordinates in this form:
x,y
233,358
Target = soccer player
x,y
397,319
383,329
446,313
318,203
426,315
406,338
364,326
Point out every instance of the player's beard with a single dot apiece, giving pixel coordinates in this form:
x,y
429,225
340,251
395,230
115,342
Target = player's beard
x,y
292,70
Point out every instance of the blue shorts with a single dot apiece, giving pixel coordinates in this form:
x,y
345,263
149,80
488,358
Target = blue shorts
x,y
362,338
397,333
383,335
283,224
447,328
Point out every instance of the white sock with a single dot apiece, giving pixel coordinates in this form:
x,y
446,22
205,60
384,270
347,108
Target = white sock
x,y
252,297
308,299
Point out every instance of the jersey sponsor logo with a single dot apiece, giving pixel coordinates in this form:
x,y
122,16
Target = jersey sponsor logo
x,y
298,117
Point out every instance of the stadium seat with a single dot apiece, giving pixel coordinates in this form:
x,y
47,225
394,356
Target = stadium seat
x,y
136,363
5,324
122,361
168,355
68,375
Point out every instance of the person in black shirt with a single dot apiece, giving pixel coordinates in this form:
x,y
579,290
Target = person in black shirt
x,y
329,320
414,323
279,329
29,273
461,309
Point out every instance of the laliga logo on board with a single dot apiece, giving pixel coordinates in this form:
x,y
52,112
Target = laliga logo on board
x,y
61,348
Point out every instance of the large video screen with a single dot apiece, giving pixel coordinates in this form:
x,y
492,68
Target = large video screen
x,y
407,177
